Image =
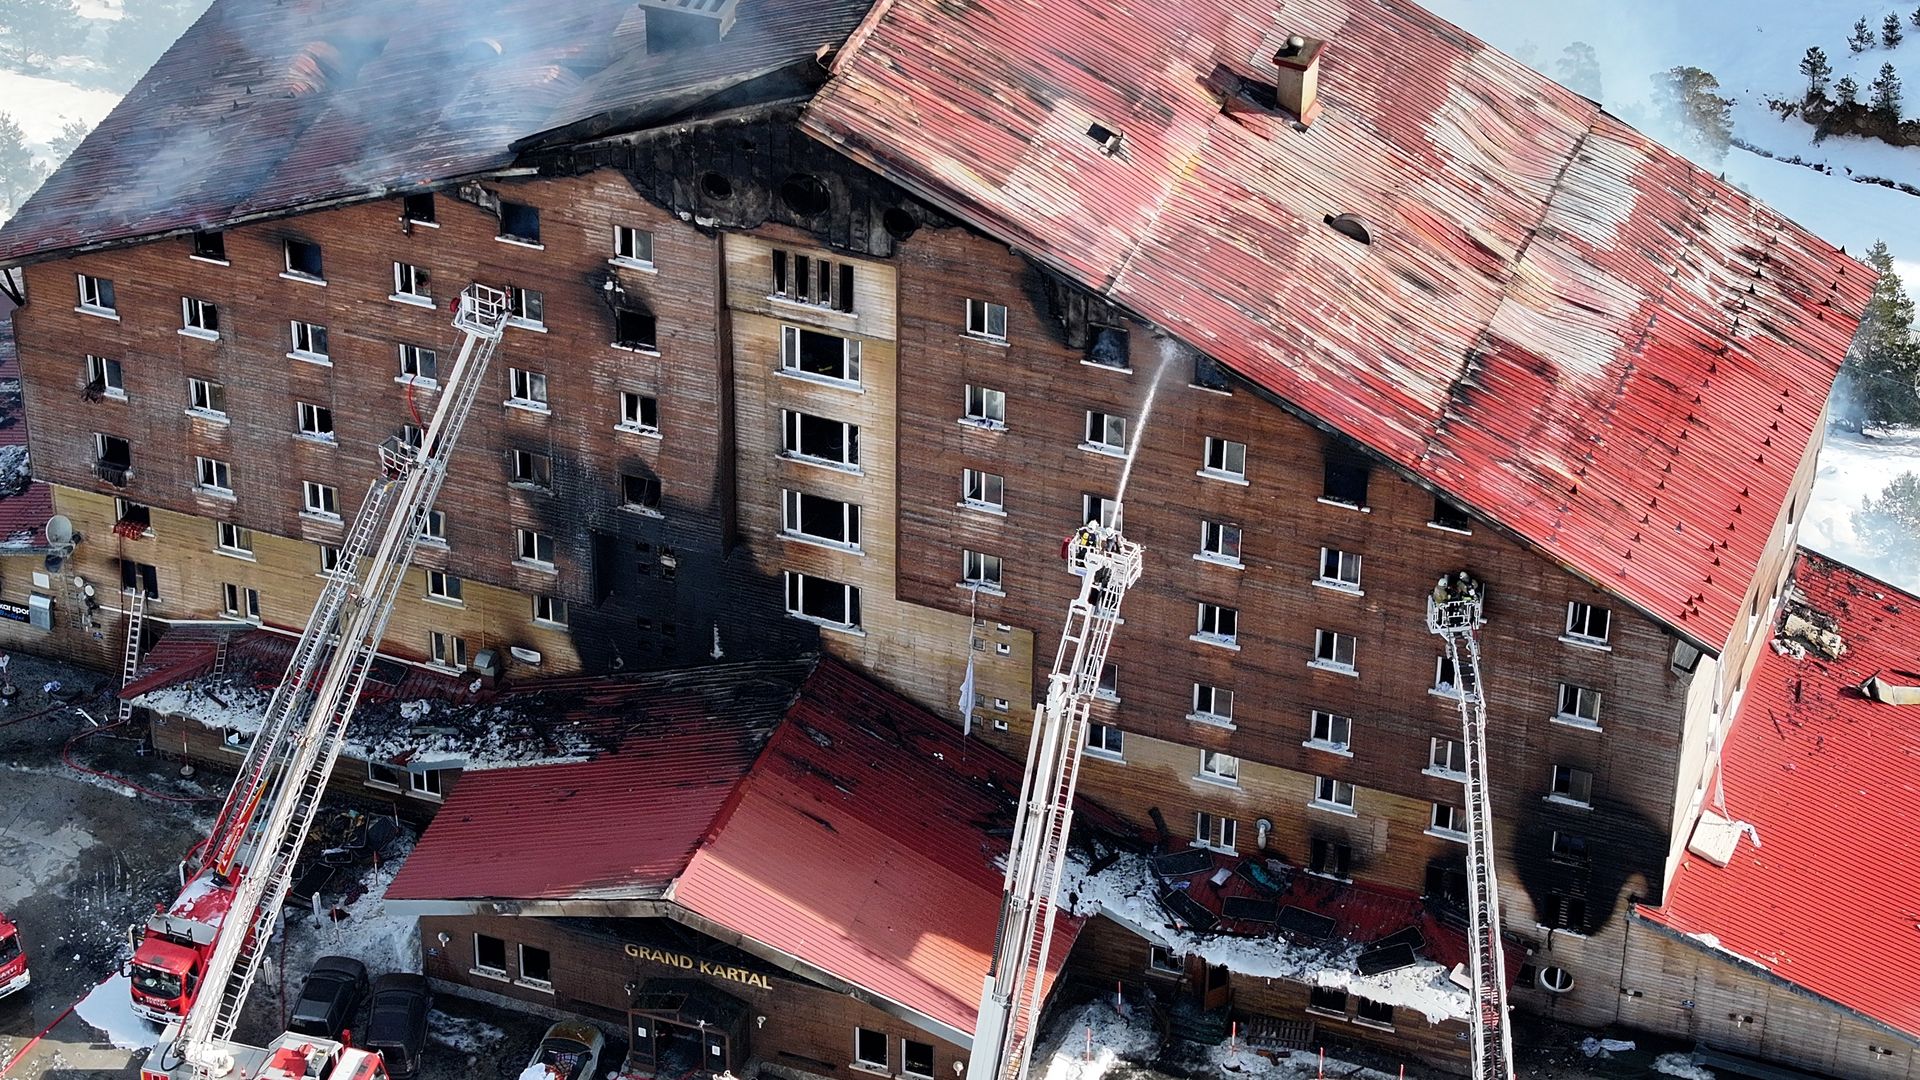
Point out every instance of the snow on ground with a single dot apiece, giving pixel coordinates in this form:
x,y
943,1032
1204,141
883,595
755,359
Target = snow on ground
x,y
108,1008
463,1033
1681,1065
1113,1038
1852,469
367,931
1127,892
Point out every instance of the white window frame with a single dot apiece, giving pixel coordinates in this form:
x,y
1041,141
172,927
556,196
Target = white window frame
x,y
446,651
798,585
1322,729
549,610
527,548
791,503
1219,768
305,336
1106,742
992,488
412,284
790,357
92,295
1333,794
1224,460
1568,797
986,321
308,416
628,247
1345,567
1100,508
1217,624
213,476
792,421
1580,622
1214,832
410,366
200,397
520,300
1441,754
1212,705
286,261
979,570
319,500
478,967
985,408
445,588
231,539
633,413
1214,546
240,602
194,314
425,784
433,530
110,374
1586,706
527,466
1330,641
1101,441
527,389
1447,821
1170,965
868,1064
329,558
1449,688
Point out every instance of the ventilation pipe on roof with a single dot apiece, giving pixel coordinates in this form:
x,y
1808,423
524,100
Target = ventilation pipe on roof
x,y
1297,87
683,24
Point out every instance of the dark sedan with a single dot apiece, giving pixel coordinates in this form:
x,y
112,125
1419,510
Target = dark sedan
x,y
329,997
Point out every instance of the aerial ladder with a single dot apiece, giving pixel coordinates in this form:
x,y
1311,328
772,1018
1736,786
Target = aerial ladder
x,y
1454,612
254,846
1010,999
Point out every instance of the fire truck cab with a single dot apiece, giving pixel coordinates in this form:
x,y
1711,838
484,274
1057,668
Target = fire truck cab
x,y
14,975
290,1057
170,959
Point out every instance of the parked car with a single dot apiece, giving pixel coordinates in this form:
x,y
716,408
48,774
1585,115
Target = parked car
x,y
570,1050
397,1022
329,997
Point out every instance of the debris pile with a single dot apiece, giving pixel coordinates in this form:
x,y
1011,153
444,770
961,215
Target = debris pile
x,y
1805,629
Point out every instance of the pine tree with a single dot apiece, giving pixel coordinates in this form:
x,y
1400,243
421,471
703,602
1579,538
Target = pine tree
x,y
1889,527
1815,67
1880,380
1914,18
1701,118
1862,38
1579,70
62,145
1890,31
19,173
1885,91
1846,91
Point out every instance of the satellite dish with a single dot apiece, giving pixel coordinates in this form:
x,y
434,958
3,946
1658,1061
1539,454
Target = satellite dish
x,y
59,531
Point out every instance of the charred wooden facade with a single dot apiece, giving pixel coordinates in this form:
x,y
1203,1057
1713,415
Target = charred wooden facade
x,y
713,482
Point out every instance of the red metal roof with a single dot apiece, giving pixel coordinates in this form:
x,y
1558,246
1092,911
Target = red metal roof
x,y
1830,896
1562,324
860,844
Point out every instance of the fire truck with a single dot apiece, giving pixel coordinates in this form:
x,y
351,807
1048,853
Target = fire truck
x,y
14,975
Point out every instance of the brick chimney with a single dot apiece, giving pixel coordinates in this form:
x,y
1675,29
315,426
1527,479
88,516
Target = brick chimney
x,y
1297,86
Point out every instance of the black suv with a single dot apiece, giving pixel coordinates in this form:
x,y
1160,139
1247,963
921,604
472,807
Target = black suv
x,y
397,1023
329,997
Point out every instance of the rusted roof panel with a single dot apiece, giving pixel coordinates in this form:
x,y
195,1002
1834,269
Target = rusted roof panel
x,y
1566,326
1829,780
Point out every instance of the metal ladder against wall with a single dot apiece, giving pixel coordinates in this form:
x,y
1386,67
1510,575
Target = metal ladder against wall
x,y
1010,999
130,662
1455,613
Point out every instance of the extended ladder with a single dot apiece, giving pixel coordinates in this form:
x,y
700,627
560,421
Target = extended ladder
x,y
130,662
285,772
1454,612
1010,1000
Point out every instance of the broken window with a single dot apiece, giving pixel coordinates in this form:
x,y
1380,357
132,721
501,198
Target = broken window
x,y
198,318
238,602
640,492
979,570
1334,650
316,421
550,610
447,650
1340,569
825,356
1446,818
411,282
536,965
309,341
1448,516
140,577
418,365
1327,999
916,1059
1209,375
1108,685
1579,706
211,246
380,774
635,330
1225,459
631,245
528,307
233,539
113,458
418,208
815,517
1107,347
1330,858
526,389
444,586
1446,681
639,412
1377,1013
1447,883
104,378
213,476
521,222
1563,912
1447,756
531,469
985,407
810,280
1162,960
1212,704
303,260
983,490
207,397
132,515
534,547
96,295
329,558
1105,739
1220,542
814,438
319,499
1569,847
1332,793
434,529
489,954
1106,432
1345,481
1330,731
1218,625
869,1048
1588,624
821,600
1100,508
1212,831
1218,766
985,320
1573,785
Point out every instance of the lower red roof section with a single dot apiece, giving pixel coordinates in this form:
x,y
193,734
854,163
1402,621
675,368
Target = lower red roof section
x,y
1829,899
